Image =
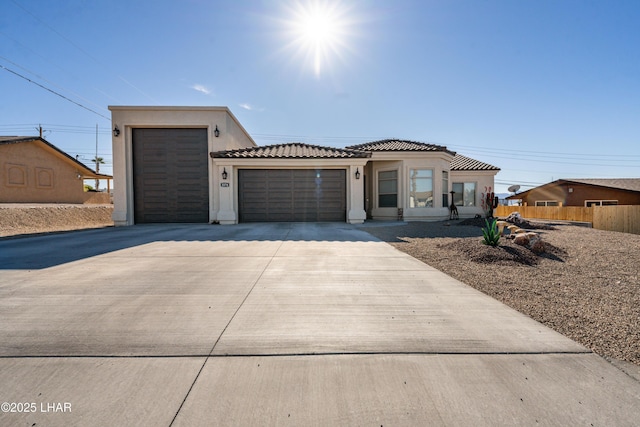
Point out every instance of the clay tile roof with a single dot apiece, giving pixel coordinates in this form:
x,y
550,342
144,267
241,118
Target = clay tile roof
x,y
293,150
399,145
462,163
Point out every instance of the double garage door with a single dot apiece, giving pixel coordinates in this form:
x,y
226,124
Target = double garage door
x,y
304,195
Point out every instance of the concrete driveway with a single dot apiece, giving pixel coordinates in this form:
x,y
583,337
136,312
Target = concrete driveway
x,y
275,324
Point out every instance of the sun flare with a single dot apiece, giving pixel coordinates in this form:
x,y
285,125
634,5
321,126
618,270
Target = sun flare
x,y
319,30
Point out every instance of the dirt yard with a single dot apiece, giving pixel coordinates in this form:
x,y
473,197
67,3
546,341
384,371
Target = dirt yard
x,y
19,219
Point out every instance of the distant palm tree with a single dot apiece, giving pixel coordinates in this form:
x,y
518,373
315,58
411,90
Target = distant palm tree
x,y
98,161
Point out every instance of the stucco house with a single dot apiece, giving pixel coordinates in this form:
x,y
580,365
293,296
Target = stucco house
x,y
583,192
36,171
198,164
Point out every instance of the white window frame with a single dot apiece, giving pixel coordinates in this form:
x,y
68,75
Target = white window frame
x,y
543,203
589,203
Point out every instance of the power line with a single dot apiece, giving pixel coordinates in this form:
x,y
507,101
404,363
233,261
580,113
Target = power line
x,y
75,77
539,153
53,91
48,81
556,156
79,48
55,128
349,140
578,162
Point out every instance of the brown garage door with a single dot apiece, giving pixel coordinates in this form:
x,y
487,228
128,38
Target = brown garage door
x,y
306,195
170,176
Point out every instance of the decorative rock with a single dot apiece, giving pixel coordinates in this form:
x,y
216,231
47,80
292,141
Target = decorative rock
x,y
521,239
514,230
537,246
501,225
531,240
514,218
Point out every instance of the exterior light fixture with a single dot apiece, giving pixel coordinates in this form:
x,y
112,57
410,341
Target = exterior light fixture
x,y
357,173
78,175
224,174
116,131
216,133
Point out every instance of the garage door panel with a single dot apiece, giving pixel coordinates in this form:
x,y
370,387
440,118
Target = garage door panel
x,y
170,169
331,185
273,174
282,186
292,195
252,194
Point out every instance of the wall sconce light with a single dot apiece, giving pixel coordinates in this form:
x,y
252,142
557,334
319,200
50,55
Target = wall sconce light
x,y
116,131
224,174
357,173
78,175
216,132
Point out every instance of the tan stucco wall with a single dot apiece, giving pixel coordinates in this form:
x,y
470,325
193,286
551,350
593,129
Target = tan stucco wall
x,y
126,118
97,198
31,172
482,179
403,162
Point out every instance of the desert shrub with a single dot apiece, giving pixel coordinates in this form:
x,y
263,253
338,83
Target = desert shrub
x,y
490,233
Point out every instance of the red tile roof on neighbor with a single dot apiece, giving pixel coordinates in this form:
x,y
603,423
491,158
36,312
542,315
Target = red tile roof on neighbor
x,y
399,145
462,163
293,150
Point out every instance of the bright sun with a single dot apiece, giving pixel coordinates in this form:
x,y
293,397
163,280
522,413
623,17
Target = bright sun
x,y
319,29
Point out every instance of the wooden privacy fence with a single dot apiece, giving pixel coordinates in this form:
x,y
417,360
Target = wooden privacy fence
x,y
621,218
617,218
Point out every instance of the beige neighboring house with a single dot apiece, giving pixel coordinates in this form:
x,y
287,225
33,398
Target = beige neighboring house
x,y
36,171
198,164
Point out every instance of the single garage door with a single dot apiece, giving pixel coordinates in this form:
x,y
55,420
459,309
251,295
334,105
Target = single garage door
x,y
305,195
170,175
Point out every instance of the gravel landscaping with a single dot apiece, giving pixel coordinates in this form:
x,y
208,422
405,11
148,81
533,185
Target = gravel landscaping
x,y
586,285
25,219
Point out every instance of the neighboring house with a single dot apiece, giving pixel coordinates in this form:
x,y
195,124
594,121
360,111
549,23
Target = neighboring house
x,y
35,171
198,164
583,192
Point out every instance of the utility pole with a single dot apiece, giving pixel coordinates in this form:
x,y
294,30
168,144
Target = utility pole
x,y
97,160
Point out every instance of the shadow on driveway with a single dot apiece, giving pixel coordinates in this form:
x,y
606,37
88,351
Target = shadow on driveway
x,y
43,251
396,232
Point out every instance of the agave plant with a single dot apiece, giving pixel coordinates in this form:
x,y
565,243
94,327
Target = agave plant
x,y
491,235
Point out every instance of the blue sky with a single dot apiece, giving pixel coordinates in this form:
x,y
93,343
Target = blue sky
x,y
542,89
